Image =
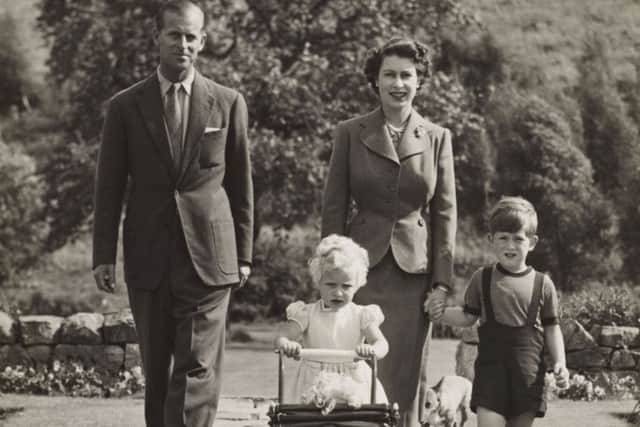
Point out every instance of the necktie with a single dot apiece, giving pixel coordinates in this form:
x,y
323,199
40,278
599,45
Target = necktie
x,y
173,116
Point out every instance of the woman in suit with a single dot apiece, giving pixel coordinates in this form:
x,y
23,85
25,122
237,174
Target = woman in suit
x,y
397,168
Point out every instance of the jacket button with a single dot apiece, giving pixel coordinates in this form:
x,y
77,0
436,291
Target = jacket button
x,y
420,222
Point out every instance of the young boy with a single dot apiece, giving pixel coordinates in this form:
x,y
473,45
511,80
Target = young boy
x,y
518,311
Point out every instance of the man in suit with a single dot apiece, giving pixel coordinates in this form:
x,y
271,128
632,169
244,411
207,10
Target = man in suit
x,y
180,141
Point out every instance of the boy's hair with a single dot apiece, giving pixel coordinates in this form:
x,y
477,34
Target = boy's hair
x,y
341,252
512,214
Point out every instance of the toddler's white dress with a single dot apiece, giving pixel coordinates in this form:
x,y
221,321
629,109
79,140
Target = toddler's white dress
x,y
340,329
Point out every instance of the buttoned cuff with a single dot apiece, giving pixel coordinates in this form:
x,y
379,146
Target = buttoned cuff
x,y
443,287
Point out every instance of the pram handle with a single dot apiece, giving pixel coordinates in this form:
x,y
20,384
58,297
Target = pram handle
x,y
310,353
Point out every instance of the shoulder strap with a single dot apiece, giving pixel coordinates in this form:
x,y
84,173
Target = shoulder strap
x,y
486,292
534,306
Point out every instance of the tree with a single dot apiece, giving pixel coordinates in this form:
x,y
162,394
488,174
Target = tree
x,y
612,142
298,63
13,65
21,230
535,158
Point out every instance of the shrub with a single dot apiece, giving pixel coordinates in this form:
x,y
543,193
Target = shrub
x,y
13,64
6,412
537,160
70,379
612,142
580,387
56,305
602,305
280,274
21,230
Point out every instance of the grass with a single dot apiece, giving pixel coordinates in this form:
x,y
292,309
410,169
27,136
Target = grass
x,y
63,281
252,371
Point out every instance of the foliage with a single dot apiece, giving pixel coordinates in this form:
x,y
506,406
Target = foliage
x,y
447,102
280,275
298,63
21,191
535,158
39,302
6,412
612,142
70,379
580,388
13,65
602,305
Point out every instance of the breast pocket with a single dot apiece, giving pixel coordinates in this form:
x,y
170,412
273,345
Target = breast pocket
x,y
212,148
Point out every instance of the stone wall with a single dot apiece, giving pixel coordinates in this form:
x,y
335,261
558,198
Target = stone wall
x,y
603,349
106,342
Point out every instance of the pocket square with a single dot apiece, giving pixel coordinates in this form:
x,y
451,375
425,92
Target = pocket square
x,y
209,130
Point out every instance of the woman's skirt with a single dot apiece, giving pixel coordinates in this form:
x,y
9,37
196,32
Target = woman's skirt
x,y
403,371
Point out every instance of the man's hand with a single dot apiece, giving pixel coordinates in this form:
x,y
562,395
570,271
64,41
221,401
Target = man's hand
x,y
105,276
244,271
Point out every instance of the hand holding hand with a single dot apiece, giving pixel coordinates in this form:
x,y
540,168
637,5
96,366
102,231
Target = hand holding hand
x,y
105,277
365,350
435,304
289,348
561,375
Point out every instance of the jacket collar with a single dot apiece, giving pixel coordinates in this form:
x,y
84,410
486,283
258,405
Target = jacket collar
x,y
200,108
375,136
149,101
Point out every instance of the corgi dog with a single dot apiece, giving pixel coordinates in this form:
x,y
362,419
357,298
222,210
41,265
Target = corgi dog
x,y
447,402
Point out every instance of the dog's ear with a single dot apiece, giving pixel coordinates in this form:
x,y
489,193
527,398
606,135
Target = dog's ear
x,y
431,399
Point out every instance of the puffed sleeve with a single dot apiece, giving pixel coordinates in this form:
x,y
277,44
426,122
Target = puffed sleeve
x,y
299,312
371,314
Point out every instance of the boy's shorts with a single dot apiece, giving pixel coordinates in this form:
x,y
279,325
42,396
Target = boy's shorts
x,y
508,391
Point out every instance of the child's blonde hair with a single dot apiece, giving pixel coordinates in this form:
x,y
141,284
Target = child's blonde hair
x,y
512,214
340,252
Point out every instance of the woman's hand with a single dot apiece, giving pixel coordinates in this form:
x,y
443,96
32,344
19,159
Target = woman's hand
x,y
366,350
435,304
289,348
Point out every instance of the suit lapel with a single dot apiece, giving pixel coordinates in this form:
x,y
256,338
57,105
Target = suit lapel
x,y
199,111
375,136
150,103
415,137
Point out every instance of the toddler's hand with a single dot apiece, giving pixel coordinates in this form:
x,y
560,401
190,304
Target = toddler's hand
x,y
365,350
289,348
561,375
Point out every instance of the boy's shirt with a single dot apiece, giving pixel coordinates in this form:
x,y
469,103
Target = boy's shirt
x,y
511,297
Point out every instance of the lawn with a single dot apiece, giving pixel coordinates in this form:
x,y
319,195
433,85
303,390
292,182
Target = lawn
x,y
251,371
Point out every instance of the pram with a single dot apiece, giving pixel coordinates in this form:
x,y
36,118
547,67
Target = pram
x,y
308,415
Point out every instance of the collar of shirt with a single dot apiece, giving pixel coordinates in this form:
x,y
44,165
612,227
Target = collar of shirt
x,y
186,84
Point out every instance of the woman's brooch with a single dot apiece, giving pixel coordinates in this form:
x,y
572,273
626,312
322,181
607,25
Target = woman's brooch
x,y
419,131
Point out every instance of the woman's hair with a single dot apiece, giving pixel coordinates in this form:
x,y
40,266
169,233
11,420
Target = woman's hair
x,y
404,48
512,214
339,252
